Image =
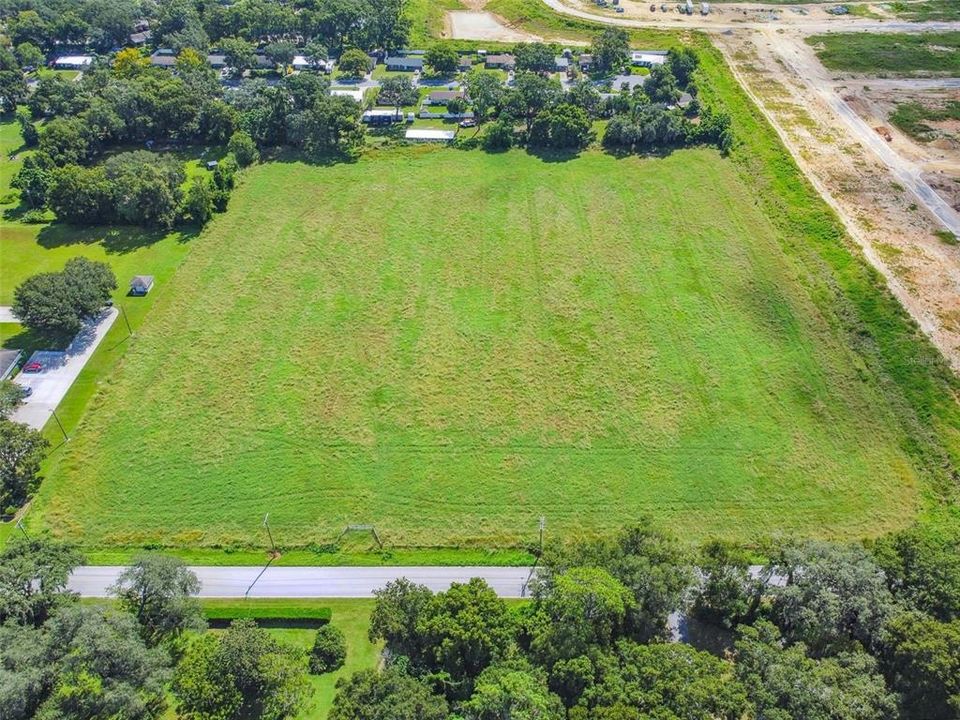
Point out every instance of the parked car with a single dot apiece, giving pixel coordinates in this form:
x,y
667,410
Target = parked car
x,y
469,122
26,391
32,367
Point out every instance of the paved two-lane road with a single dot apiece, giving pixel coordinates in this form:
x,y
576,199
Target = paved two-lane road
x,y
319,582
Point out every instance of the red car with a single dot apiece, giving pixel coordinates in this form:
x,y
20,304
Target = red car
x,y
32,367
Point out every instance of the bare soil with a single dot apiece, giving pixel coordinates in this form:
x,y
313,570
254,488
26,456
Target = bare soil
x,y
938,160
891,224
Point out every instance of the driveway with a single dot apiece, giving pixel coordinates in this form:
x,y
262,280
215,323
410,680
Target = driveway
x,y
317,582
60,369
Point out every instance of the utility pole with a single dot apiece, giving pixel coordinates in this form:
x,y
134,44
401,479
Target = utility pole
x,y
66,437
123,311
266,524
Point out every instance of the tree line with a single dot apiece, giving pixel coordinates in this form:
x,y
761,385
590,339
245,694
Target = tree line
x,y
643,119
824,631
134,102
65,660
54,305
72,126
106,24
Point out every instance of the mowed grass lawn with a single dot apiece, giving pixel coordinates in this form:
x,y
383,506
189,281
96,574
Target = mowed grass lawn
x,y
451,344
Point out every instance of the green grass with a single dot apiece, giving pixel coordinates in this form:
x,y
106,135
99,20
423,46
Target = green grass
x,y
946,236
27,249
353,618
931,10
889,53
356,553
427,19
915,377
913,118
863,10
495,338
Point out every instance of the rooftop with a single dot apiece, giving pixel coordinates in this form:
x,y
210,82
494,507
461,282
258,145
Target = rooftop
x,y
427,134
8,360
446,95
74,60
398,61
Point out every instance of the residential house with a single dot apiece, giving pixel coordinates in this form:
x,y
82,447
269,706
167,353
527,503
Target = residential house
x,y
585,62
426,135
442,97
398,63
140,38
381,117
648,58
73,62
163,57
502,62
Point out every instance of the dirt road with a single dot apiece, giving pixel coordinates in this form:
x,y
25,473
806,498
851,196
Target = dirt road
x,y
811,18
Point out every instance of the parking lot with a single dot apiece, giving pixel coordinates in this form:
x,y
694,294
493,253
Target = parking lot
x,y
58,370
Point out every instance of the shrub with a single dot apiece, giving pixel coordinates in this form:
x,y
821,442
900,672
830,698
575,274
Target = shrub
x,y
243,148
329,650
499,136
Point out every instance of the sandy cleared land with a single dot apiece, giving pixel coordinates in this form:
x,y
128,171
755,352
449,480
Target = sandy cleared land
x,y
810,18
938,160
881,195
474,25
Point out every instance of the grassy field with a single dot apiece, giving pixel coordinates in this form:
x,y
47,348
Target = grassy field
x,y
353,618
26,249
538,19
427,19
890,54
929,10
450,344
914,118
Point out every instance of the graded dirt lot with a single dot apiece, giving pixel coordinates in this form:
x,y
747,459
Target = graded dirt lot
x,y
476,25
888,206
937,152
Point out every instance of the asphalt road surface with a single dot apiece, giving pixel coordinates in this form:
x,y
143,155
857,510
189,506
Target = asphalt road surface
x,y
320,582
